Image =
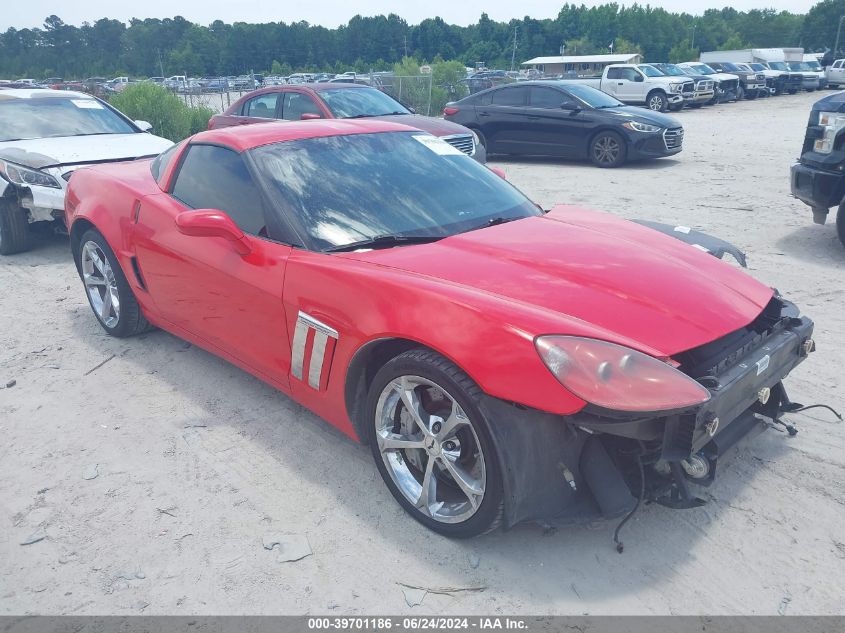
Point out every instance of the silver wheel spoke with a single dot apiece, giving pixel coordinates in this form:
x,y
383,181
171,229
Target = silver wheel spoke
x,y
470,486
105,311
91,280
411,402
456,419
428,493
398,442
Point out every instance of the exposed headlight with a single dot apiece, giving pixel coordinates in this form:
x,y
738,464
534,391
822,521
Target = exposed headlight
x,y
676,87
21,175
831,123
616,377
636,126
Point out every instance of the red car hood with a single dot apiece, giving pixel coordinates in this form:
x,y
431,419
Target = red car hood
x,y
437,127
603,275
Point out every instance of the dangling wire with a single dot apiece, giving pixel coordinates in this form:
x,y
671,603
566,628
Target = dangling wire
x,y
817,406
620,546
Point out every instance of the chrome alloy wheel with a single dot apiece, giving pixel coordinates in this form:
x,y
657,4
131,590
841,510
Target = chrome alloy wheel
x,y
606,150
430,449
100,284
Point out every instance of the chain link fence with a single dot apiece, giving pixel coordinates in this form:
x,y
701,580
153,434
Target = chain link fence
x,y
419,92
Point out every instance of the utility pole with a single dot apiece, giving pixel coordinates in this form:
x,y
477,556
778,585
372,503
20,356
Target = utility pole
x,y
692,39
513,54
406,45
838,31
160,65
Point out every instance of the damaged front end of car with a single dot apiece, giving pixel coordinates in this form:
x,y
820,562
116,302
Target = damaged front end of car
x,y
609,461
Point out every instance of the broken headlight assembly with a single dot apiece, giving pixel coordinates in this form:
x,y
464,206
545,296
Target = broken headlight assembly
x,y
830,123
616,377
20,175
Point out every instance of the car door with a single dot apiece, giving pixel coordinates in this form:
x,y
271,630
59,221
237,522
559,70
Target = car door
x,y
502,120
836,73
555,125
231,302
255,110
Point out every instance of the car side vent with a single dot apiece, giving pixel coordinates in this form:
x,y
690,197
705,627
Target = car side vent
x,y
138,276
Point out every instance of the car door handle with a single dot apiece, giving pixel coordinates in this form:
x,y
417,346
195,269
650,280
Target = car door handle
x,y
620,84
533,117
483,114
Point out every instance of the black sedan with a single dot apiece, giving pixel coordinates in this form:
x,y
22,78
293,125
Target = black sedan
x,y
551,118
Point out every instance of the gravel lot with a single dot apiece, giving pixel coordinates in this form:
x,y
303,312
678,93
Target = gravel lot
x,y
196,461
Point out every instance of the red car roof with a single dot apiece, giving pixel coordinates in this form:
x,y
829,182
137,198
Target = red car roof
x,y
245,137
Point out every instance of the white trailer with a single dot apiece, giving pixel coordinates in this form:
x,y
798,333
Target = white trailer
x,y
746,56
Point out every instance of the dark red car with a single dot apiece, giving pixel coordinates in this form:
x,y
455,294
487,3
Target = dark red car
x,y
504,364
341,101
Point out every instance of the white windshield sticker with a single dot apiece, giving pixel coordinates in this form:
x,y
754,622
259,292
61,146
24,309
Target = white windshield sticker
x,y
439,146
89,104
682,229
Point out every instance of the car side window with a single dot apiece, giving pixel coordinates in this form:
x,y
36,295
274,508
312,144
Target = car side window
x,y
296,104
510,96
548,98
630,74
263,106
614,73
213,177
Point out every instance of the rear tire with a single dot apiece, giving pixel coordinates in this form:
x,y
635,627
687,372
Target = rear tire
x,y
740,93
109,295
14,228
608,150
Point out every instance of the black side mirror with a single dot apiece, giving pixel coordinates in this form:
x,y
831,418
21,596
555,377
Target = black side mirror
x,y
639,78
574,108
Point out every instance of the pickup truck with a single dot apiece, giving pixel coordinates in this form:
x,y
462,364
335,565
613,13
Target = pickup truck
x,y
835,73
751,84
705,87
818,178
640,85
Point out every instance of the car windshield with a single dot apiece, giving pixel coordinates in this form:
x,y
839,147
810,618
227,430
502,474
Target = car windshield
x,y
58,116
649,71
757,67
346,103
778,66
345,190
592,97
814,65
704,69
798,66
671,70
728,66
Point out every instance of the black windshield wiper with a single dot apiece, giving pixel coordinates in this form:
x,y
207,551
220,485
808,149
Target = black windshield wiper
x,y
364,116
494,222
385,241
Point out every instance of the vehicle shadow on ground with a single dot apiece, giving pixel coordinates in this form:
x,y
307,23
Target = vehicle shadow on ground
x,y
573,563
658,163
814,243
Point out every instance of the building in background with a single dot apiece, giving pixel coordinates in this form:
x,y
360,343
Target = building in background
x,y
581,65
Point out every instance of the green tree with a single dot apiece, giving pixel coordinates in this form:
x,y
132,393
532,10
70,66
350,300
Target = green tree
x,y
169,115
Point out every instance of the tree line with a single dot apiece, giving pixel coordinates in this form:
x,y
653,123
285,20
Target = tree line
x,y
153,47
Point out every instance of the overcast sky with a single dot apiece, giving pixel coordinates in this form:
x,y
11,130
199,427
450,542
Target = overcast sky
x,y
330,13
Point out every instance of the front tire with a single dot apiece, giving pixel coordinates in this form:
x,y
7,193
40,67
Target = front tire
x,y
608,150
840,223
657,101
432,444
109,295
740,93
14,228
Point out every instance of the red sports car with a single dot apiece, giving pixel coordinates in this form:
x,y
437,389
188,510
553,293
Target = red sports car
x,y
503,363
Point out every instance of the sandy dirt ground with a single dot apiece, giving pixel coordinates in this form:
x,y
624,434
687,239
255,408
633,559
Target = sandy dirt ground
x,y
153,478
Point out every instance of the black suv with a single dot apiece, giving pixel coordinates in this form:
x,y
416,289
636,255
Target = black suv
x,y
818,179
